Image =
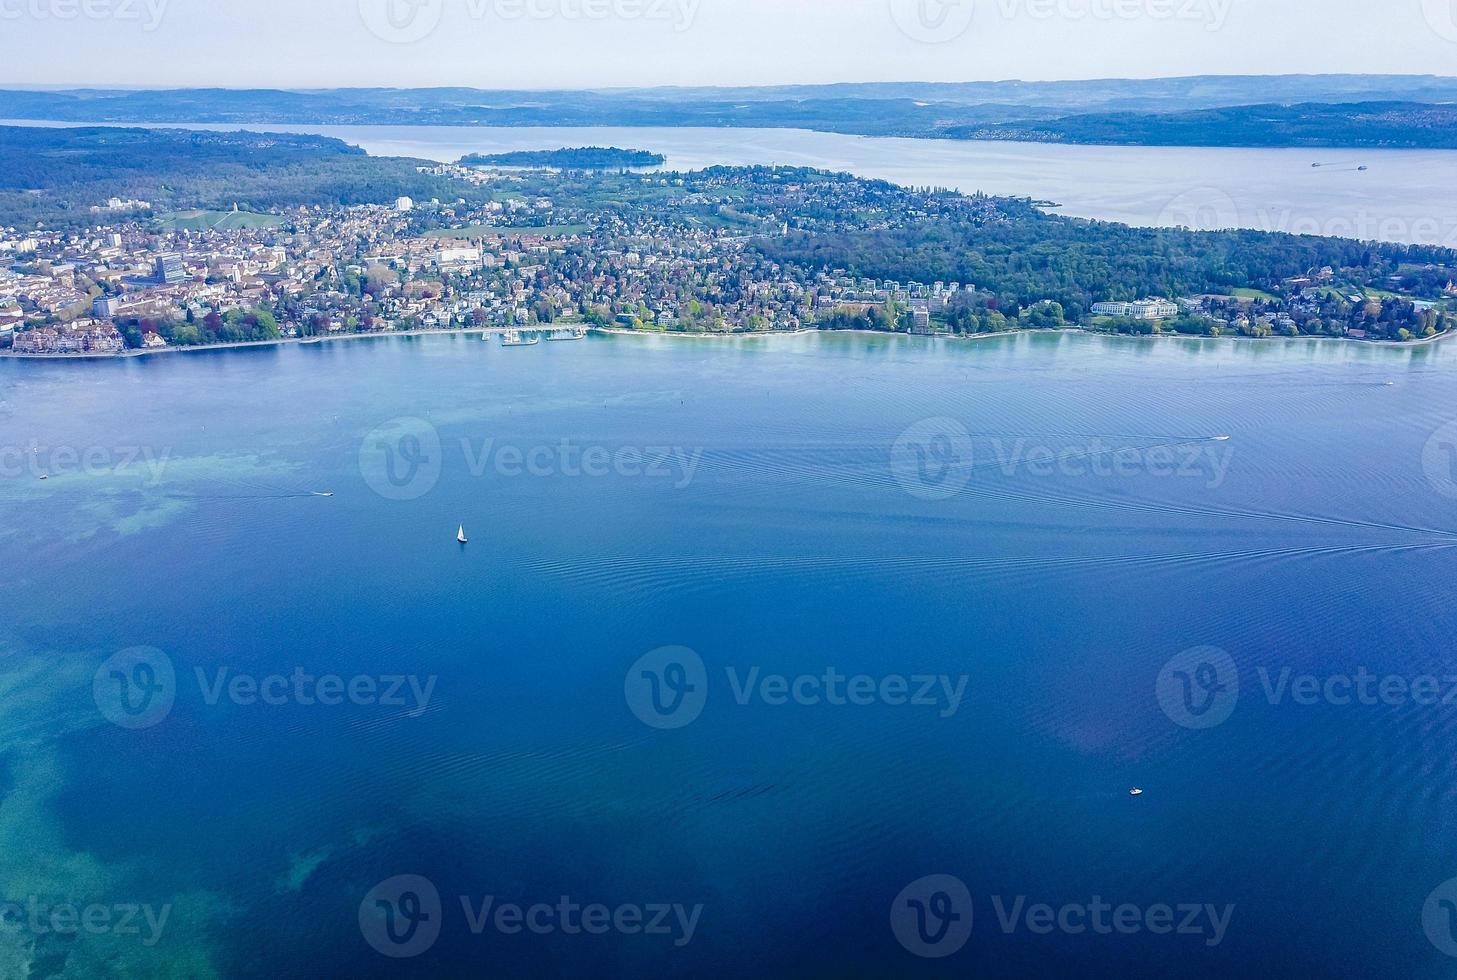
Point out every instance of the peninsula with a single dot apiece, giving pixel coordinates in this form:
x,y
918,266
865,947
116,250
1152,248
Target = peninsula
x,y
579,158
148,240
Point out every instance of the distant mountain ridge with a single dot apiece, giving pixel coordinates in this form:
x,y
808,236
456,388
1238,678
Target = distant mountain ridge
x,y
1375,125
1131,111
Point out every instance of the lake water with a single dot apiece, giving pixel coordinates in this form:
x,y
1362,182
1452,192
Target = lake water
x,y
1405,196
1042,524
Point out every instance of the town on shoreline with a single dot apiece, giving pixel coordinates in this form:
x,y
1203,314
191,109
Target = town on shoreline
x,y
722,252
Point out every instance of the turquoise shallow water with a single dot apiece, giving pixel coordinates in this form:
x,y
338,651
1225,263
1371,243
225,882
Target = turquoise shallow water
x,y
883,507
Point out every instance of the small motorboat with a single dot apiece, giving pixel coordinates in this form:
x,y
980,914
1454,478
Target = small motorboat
x,y
460,535
323,493
1135,792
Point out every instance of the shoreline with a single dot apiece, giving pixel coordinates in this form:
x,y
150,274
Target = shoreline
x,y
754,335
1073,328
243,344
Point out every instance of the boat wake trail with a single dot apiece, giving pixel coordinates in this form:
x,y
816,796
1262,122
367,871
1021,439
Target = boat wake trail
x,y
244,490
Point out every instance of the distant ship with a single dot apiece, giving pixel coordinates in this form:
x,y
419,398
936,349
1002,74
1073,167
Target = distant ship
x,y
460,535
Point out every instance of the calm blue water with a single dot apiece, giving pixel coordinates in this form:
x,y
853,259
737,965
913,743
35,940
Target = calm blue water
x,y
809,535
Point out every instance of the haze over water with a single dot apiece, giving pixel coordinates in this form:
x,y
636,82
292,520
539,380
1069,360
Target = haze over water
x,y
809,534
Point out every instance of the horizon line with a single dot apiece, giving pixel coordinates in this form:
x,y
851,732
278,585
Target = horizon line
x,y
67,87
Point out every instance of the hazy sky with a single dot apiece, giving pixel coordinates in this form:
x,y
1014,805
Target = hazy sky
x,y
579,43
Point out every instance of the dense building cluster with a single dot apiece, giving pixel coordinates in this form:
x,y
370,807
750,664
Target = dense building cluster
x,y
531,249
522,259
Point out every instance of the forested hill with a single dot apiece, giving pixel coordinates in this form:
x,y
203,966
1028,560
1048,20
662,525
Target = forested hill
x,y
1033,255
578,158
1398,125
57,175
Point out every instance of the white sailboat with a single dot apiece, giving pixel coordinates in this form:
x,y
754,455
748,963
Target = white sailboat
x,y
460,535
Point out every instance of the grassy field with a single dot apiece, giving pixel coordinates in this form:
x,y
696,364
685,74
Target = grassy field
x,y
218,220
1252,294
